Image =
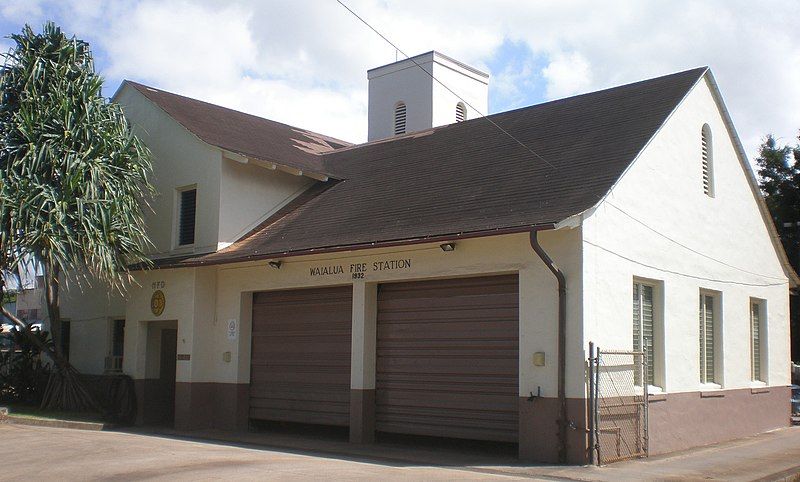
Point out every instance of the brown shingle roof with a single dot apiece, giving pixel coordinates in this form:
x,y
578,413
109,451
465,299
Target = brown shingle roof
x,y
471,178
246,134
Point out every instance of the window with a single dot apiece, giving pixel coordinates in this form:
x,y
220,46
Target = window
x,y
708,318
186,216
707,156
643,329
756,327
461,112
114,359
118,338
400,119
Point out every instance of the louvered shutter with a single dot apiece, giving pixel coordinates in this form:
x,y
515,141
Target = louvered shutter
x,y
643,329
755,340
706,338
188,211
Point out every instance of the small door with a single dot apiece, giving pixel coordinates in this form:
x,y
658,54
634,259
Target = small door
x,y
166,377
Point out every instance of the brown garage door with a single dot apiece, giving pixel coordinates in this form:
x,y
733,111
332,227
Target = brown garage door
x,y
447,358
301,356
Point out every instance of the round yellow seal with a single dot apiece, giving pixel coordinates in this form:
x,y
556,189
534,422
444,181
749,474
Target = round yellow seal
x,y
157,302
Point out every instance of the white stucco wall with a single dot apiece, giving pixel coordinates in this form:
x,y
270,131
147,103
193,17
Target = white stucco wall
x,y
179,160
469,86
249,194
178,286
90,307
89,345
663,189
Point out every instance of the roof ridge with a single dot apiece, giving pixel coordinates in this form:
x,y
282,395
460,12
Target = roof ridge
x,y
431,130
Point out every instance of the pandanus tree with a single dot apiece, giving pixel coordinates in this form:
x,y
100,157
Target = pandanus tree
x,y
74,182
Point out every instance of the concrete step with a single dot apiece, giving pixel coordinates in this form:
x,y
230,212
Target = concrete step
x,y
54,423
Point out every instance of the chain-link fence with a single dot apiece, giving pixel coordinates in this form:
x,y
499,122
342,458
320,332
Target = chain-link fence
x,y
618,405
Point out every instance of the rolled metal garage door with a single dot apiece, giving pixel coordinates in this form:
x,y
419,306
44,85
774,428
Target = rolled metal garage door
x,y
300,368
447,358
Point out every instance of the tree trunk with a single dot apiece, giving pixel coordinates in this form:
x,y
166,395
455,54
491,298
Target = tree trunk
x,y
65,389
53,309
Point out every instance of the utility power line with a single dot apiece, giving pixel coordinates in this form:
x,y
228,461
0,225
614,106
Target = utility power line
x,y
526,147
430,74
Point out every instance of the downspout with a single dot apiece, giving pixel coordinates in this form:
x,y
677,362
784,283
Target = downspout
x,y
562,341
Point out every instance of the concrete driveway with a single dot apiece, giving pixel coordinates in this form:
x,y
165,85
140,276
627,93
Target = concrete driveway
x,y
65,454
43,453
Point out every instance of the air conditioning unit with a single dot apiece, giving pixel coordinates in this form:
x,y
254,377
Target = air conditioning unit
x,y
113,364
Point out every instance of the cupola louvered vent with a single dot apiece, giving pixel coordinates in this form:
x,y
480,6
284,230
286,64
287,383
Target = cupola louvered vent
x,y
461,112
400,119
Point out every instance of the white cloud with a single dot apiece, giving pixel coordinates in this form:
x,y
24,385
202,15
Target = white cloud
x,y
567,74
21,10
305,62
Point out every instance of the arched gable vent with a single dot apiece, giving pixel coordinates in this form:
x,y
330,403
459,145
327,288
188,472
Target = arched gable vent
x,y
461,112
707,156
400,118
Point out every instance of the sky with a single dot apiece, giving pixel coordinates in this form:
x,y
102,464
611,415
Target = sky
x,y
304,62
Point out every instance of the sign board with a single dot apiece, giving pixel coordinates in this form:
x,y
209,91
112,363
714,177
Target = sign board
x,y
232,329
157,302
359,270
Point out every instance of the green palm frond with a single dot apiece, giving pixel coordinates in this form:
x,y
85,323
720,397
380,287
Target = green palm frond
x,y
74,180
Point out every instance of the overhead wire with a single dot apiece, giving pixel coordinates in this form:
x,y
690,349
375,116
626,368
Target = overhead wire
x,y
538,156
430,74
703,278
688,248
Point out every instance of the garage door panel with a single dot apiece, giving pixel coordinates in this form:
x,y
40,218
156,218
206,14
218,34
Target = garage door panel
x,y
452,429
300,361
298,377
432,305
283,391
447,358
297,416
450,287
480,403
447,366
300,347
486,328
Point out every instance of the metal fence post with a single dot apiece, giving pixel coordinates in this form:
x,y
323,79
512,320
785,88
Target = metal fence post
x,y
596,427
592,402
646,407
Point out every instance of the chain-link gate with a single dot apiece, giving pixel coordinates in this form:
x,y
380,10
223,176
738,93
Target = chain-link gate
x,y
618,405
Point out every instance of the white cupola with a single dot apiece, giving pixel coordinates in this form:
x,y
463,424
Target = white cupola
x,y
403,98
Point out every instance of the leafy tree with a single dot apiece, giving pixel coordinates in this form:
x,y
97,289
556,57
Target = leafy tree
x,y
779,170
73,179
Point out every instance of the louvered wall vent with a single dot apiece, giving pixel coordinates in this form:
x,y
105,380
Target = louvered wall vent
x,y
707,155
400,119
461,112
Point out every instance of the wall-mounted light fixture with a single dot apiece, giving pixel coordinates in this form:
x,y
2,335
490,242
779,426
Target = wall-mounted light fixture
x,y
447,247
275,264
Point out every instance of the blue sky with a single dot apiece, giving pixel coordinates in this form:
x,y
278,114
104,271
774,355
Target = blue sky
x,y
305,62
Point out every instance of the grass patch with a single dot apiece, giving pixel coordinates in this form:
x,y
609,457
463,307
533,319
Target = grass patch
x,y
32,411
